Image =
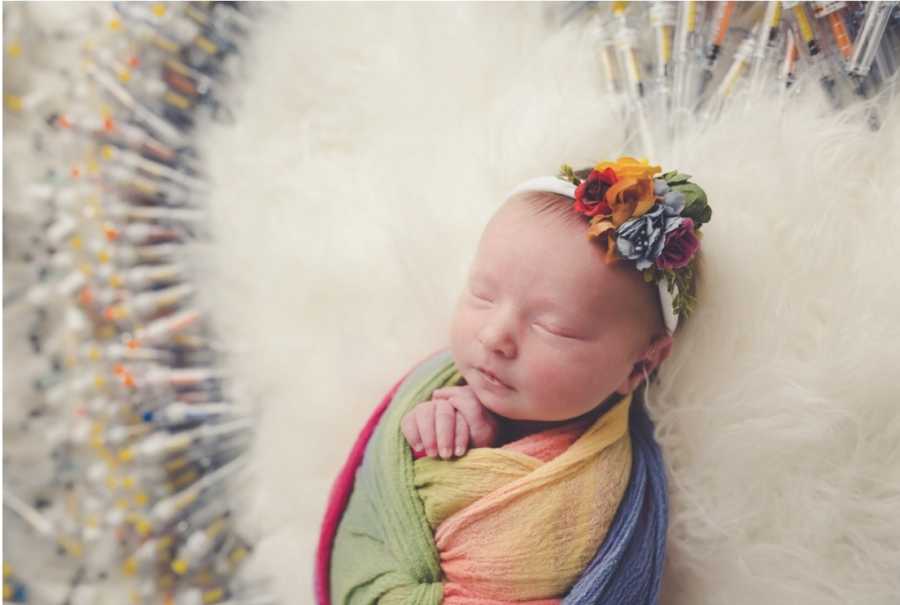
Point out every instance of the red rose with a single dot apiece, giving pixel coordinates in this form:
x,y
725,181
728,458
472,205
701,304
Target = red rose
x,y
589,196
680,245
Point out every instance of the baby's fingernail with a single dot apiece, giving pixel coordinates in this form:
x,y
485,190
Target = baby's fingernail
x,y
417,447
460,450
432,452
445,453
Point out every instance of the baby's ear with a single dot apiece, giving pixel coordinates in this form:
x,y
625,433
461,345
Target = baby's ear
x,y
638,370
662,348
655,354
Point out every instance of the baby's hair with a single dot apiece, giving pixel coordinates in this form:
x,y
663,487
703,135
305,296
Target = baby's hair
x,y
551,204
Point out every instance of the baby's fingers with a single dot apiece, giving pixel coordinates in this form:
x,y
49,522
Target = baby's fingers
x,y
445,427
462,435
425,423
410,430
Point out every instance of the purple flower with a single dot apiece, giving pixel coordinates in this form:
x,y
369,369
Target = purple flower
x,y
680,245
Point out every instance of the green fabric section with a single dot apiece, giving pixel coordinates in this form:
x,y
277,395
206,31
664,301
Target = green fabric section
x,y
384,550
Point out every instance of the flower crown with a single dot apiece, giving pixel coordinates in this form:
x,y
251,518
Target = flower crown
x,y
654,222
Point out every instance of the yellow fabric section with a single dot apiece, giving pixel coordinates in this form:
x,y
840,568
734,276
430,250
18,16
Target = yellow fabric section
x,y
509,527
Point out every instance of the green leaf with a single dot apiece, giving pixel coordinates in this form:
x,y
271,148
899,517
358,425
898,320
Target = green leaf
x,y
568,174
692,193
670,280
695,204
684,302
698,213
675,178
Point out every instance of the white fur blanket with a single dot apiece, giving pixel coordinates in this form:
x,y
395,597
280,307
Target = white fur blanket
x,y
373,142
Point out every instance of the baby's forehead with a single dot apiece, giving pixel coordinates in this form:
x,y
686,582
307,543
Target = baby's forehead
x,y
557,256
518,232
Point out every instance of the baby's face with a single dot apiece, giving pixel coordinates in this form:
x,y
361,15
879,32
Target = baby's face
x,y
542,311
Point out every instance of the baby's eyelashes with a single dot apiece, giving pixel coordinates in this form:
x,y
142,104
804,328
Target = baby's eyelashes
x,y
554,332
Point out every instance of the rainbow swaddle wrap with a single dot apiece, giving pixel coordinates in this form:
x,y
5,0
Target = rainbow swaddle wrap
x,y
576,514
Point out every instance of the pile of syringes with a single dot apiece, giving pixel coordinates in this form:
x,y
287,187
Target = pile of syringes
x,y
147,437
677,64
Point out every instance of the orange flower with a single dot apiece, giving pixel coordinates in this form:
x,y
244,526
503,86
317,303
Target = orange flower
x,y
630,197
626,167
604,231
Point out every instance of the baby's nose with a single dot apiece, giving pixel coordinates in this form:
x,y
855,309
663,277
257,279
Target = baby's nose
x,y
498,337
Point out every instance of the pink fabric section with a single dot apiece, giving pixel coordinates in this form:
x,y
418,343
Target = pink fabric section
x,y
340,495
456,594
548,444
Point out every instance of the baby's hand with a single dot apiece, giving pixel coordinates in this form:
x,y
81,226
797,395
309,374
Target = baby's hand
x,y
449,422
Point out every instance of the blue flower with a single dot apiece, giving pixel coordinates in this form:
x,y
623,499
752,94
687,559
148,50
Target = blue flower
x,y
641,239
660,187
673,203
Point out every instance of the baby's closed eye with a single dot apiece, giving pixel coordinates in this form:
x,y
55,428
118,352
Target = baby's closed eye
x,y
554,331
478,296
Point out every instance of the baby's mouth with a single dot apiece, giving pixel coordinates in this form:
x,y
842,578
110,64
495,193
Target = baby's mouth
x,y
491,379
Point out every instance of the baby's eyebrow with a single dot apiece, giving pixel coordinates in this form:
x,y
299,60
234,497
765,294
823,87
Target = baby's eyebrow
x,y
576,312
543,301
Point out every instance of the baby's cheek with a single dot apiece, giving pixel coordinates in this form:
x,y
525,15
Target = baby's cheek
x,y
461,331
565,379
546,377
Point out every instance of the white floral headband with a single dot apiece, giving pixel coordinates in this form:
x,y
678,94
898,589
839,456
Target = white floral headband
x,y
652,221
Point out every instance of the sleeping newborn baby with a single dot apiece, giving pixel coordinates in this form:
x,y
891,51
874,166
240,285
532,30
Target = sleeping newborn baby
x,y
519,464
543,333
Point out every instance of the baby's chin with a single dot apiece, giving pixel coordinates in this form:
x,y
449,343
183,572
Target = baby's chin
x,y
502,405
507,405
499,404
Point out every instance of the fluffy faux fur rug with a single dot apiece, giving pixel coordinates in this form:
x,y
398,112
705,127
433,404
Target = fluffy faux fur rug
x,y
372,144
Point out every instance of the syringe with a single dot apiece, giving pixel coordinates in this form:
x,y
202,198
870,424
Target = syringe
x,y
721,23
687,60
149,304
807,35
162,330
179,413
738,66
200,545
626,45
159,445
662,19
606,52
869,38
765,43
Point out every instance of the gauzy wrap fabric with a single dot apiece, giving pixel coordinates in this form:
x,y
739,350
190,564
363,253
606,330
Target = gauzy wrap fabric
x,y
573,515
512,528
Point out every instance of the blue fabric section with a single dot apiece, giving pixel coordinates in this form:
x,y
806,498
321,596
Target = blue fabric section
x,y
627,569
